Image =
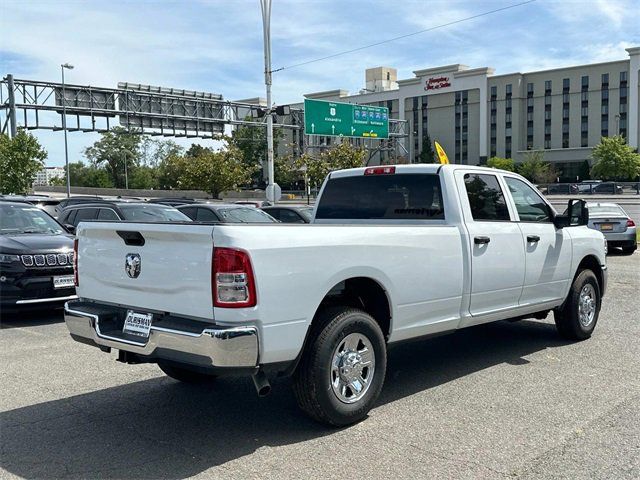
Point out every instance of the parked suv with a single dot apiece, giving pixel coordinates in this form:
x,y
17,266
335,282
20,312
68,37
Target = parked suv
x,y
36,258
131,212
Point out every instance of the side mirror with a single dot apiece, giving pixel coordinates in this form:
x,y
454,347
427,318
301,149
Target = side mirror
x,y
577,214
70,228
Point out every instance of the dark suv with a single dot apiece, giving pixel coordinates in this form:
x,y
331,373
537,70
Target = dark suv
x,y
36,258
128,212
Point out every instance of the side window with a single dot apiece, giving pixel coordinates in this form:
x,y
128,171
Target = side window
x,y
275,213
85,214
107,214
287,216
68,217
486,197
206,215
530,206
189,212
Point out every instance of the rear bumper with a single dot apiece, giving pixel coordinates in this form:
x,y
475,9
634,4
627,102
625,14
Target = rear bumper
x,y
626,238
206,347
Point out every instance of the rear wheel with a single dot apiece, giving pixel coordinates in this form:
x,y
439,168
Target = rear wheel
x,y
577,319
342,369
629,250
185,375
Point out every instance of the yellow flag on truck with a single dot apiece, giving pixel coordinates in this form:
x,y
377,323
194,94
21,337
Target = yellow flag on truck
x,y
441,154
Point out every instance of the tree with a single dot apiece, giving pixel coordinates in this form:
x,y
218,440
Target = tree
x,y
116,147
21,158
536,170
286,173
427,155
342,155
252,143
501,163
615,160
211,171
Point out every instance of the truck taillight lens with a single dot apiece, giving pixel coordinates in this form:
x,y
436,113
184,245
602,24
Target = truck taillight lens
x,y
75,262
232,281
630,223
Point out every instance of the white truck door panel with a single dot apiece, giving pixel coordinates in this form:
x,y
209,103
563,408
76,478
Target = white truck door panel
x,y
548,250
497,249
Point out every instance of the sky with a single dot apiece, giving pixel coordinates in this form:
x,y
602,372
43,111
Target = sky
x,y
216,45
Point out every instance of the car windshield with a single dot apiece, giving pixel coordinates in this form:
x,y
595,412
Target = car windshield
x,y
306,212
605,210
22,218
244,215
152,213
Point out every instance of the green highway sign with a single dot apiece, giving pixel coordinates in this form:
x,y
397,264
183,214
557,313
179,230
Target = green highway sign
x,y
345,119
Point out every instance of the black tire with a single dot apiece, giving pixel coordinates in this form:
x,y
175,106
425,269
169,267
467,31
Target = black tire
x,y
185,375
567,318
312,384
629,250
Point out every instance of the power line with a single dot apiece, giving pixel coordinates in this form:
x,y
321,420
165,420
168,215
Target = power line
x,y
364,47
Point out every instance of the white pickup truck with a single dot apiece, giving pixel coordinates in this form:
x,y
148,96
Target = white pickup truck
x,y
393,253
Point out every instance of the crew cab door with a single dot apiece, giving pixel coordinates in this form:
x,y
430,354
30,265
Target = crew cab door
x,y
495,242
547,249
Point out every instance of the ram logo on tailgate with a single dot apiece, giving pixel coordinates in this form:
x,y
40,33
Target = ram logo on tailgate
x,y
133,264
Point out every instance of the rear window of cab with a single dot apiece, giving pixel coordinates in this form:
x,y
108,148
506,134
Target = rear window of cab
x,y
382,197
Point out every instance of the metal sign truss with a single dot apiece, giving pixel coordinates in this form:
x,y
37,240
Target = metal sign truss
x,y
33,105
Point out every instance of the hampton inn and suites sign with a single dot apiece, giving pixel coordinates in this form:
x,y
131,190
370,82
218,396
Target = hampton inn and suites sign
x,y
436,83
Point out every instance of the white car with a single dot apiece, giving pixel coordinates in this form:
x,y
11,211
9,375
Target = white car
x,y
393,253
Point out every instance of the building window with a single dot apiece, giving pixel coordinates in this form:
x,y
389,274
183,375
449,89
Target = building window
x,y
565,113
547,100
605,80
530,102
584,96
585,82
605,109
547,87
565,85
494,92
584,111
529,89
508,89
565,98
623,77
547,115
547,143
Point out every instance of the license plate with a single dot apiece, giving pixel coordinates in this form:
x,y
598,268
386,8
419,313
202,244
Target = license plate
x,y
137,323
63,281
606,226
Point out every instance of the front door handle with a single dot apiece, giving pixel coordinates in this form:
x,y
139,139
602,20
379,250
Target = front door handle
x,y
481,240
533,238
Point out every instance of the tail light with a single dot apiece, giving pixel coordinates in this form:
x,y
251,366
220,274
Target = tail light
x,y
75,262
630,223
380,170
232,281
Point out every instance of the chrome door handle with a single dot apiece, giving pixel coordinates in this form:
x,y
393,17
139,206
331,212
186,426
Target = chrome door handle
x,y
481,240
533,238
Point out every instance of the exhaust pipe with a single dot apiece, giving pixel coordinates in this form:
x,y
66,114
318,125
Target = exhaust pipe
x,y
260,381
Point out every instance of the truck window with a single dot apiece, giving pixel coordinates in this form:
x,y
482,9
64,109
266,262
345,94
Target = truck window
x,y
530,206
395,196
486,198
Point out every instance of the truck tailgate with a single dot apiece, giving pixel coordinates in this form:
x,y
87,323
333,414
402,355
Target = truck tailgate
x,y
175,266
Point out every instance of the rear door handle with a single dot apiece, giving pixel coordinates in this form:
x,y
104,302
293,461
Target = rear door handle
x,y
533,238
481,240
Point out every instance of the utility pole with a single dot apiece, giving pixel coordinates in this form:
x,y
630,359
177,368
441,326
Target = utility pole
x,y
64,127
13,126
126,174
266,31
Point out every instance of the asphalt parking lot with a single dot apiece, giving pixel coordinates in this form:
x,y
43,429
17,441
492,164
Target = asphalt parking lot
x,y
505,400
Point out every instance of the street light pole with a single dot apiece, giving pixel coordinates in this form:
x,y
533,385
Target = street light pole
x,y
266,31
64,126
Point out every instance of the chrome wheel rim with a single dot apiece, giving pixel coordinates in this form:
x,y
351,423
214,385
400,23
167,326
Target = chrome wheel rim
x,y
587,305
352,368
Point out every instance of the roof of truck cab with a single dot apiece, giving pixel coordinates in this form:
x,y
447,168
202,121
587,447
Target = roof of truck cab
x,y
414,168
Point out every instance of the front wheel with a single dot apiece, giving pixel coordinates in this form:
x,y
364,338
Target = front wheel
x,y
342,369
577,319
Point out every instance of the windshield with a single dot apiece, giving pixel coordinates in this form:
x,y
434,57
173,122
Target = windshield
x,y
21,218
605,210
152,213
244,215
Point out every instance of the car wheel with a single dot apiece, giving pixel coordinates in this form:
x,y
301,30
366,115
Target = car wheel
x,y
185,375
342,369
577,319
629,250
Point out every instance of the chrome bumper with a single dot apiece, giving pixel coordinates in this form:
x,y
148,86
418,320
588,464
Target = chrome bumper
x,y
212,347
